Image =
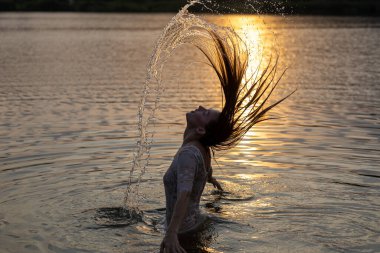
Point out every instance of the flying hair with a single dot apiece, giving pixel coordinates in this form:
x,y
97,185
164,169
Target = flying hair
x,y
245,98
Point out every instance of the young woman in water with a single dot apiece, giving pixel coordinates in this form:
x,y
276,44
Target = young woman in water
x,y
209,130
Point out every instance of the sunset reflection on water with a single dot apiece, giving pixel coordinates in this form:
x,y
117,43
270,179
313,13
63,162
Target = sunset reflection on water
x,y
258,155
263,52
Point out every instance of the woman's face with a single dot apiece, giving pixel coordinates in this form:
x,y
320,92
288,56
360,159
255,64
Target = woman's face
x,y
201,117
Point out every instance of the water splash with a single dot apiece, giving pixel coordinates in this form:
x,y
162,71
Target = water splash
x,y
184,28
166,43
115,217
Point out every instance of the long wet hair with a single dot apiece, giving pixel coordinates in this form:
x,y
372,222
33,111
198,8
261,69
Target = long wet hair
x,y
245,97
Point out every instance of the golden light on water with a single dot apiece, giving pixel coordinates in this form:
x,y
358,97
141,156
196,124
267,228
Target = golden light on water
x,y
251,29
258,40
264,202
250,176
256,36
263,49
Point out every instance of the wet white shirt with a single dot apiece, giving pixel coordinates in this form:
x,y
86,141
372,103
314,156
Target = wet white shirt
x,y
186,173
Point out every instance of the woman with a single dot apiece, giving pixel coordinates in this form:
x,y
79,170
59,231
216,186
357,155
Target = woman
x,y
209,130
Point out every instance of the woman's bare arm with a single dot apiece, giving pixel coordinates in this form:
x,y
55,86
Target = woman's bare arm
x,y
179,212
213,181
170,243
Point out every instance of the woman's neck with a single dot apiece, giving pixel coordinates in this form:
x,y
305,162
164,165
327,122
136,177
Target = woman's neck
x,y
190,136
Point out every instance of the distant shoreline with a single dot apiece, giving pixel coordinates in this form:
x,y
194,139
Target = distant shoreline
x,y
173,12
273,7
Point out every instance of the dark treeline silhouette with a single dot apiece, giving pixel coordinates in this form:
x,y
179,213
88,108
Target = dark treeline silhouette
x,y
316,7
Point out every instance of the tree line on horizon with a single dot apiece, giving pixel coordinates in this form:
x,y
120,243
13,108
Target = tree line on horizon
x,y
316,7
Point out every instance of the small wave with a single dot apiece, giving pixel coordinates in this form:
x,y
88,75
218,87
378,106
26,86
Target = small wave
x,y
368,173
351,184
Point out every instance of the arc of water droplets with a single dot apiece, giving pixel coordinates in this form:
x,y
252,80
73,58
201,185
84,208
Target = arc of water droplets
x,y
183,28
165,44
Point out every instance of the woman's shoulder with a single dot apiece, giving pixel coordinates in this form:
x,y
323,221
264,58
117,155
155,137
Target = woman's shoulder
x,y
193,149
189,151
197,152
190,146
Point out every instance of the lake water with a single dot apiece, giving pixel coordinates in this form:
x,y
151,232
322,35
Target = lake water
x,y
70,85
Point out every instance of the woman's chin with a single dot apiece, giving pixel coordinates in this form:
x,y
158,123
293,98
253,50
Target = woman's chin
x,y
188,117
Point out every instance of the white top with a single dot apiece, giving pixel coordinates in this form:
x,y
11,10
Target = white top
x,y
186,173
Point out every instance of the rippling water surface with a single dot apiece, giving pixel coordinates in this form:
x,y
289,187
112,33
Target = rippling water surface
x,y
70,85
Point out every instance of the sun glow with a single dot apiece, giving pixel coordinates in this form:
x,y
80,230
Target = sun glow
x,y
251,29
251,36
263,51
